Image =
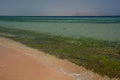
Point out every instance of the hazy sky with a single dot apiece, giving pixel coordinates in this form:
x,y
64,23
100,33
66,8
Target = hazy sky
x,y
59,7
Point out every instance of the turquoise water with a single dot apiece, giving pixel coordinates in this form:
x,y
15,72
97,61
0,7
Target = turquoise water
x,y
104,28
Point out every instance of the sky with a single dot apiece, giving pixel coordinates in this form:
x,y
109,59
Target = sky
x,y
60,7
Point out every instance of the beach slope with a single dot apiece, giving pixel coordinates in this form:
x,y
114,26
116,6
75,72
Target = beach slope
x,y
17,64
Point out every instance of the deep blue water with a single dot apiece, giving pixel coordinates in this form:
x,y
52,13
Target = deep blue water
x,y
65,19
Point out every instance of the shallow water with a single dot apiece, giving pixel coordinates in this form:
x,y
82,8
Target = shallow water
x,y
98,28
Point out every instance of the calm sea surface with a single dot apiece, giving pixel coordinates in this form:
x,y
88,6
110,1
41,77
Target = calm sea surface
x,y
104,28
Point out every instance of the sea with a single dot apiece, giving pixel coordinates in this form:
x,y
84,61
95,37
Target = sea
x,y
96,27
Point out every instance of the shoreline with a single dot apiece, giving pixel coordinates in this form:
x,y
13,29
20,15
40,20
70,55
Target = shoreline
x,y
63,66
95,55
16,65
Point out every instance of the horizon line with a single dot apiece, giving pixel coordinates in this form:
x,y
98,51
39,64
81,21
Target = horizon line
x,y
58,16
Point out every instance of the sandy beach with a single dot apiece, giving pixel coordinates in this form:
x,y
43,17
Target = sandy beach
x,y
19,62
15,65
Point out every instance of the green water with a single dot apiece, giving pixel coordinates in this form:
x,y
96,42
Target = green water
x,y
75,27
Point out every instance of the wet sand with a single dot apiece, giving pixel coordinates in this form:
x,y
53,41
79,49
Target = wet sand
x,y
19,62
